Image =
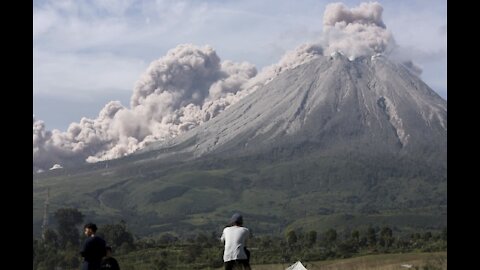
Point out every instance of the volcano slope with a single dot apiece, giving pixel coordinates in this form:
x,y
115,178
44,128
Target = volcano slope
x,y
330,143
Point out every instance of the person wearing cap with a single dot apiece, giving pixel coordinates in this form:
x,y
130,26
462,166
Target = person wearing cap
x,y
235,237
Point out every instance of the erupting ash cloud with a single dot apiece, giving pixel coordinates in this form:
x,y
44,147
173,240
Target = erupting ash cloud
x,y
356,32
191,85
188,86
290,60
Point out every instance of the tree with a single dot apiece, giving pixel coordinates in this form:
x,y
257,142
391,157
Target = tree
x,y
444,234
386,237
427,236
67,219
167,238
265,241
354,240
371,236
311,238
355,236
117,235
70,259
291,237
162,264
331,236
347,248
50,239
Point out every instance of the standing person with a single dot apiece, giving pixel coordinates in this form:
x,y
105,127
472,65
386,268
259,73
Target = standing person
x,y
94,248
108,262
235,237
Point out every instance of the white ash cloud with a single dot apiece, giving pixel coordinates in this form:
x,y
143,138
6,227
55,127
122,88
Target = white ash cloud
x,y
360,31
355,32
40,137
191,85
179,91
291,59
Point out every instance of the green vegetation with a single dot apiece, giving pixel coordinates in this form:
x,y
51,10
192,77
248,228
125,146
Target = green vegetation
x,y
204,250
311,192
59,249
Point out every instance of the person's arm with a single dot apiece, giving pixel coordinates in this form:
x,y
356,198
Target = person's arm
x,y
85,247
222,238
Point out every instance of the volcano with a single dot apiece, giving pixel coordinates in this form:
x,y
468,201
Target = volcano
x,y
333,142
329,104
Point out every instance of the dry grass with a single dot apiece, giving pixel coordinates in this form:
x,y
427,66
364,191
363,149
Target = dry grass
x,y
437,260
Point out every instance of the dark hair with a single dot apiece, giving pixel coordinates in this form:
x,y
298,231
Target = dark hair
x,y
91,226
236,219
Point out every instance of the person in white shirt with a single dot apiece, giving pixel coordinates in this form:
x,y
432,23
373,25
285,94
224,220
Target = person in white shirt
x,y
235,238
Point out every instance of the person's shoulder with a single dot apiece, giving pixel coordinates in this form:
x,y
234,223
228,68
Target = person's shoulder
x,y
241,229
88,239
99,238
230,227
226,229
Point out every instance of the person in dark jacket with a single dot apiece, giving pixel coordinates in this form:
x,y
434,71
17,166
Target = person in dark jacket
x,y
108,262
94,248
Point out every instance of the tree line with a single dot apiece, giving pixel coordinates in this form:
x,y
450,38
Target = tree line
x,y
58,249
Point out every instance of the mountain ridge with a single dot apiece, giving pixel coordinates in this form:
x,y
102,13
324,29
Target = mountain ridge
x,y
330,140
294,104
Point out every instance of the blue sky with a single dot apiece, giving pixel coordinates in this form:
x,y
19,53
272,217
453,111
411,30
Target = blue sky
x,y
87,53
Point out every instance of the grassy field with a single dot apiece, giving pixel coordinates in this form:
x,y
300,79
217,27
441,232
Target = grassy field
x,y
431,261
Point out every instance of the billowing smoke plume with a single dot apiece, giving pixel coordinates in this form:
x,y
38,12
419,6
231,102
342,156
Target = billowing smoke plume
x,y
291,59
40,137
179,91
356,32
188,86
191,85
